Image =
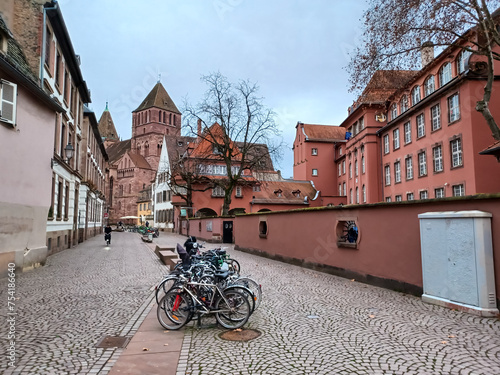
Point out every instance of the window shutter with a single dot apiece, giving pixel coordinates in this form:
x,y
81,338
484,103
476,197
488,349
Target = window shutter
x,y
8,102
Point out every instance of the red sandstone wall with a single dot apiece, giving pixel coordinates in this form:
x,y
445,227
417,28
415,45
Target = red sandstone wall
x,y
389,242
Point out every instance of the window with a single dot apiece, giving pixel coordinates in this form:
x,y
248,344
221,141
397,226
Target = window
x,y
453,108
361,123
387,175
395,135
386,144
420,125
350,196
397,172
356,167
314,172
343,166
445,74
217,191
238,191
340,150
256,188
399,198
48,44
364,193
463,59
394,111
344,188
350,170
422,164
314,151
340,189
363,168
404,104
409,168
436,117
415,95
8,97
429,85
340,169
407,128
458,190
409,196
388,199
424,194
439,193
357,195
456,153
437,152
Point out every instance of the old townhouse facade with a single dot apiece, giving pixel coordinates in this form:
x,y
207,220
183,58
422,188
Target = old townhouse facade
x,y
27,117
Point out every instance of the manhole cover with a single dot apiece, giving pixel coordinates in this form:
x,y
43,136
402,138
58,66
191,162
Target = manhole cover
x,y
240,335
113,342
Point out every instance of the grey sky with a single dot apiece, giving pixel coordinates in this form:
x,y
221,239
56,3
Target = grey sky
x,y
295,50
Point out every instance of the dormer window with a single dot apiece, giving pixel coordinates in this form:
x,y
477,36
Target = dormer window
x,y
404,104
278,193
216,150
180,143
445,74
394,111
415,95
296,193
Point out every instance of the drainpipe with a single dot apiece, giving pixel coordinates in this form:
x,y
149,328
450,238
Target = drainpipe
x,y
44,37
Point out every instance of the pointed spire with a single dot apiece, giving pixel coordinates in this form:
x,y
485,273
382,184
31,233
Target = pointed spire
x,y
106,109
106,125
159,98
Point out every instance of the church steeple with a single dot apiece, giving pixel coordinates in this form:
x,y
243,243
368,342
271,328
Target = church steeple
x,y
107,127
158,97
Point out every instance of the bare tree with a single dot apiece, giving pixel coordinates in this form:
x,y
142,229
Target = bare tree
x,y
394,30
234,129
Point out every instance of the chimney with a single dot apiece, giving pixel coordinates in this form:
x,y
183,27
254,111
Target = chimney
x,y
199,127
426,53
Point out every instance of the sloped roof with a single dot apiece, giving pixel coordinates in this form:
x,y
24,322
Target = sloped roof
x,y
139,161
204,148
117,150
323,132
383,84
176,147
493,149
268,193
106,126
158,98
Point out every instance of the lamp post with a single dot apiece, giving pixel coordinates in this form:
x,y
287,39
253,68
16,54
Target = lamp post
x,y
69,151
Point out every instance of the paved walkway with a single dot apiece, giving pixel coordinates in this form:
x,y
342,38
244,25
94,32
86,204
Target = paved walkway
x,y
311,323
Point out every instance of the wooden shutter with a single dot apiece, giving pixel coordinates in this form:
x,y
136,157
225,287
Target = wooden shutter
x,y
8,96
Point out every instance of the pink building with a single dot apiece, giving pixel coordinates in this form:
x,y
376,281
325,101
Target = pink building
x,y
27,122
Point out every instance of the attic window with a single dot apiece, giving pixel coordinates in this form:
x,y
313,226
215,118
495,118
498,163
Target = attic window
x,y
216,150
180,143
3,42
296,193
278,193
256,188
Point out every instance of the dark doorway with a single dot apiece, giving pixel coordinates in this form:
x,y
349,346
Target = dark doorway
x,y
227,232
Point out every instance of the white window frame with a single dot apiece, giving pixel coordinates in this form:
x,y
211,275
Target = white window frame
x,y
340,169
363,167
462,57
407,129
410,196
357,195
314,172
456,153
217,191
424,194
453,108
399,198
7,104
387,175
436,117
238,192
437,154
404,103
429,85
386,144
422,164
420,125
395,138
439,193
343,166
356,170
397,172
344,188
415,95
458,190
445,74
314,151
394,111
409,168
364,193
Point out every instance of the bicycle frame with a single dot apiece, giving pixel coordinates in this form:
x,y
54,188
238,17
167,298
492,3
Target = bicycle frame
x,y
206,310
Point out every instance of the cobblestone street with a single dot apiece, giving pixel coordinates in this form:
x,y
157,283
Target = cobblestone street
x,y
311,323
79,296
315,323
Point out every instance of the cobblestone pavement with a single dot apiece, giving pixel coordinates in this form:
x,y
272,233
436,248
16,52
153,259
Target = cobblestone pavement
x,y
79,296
315,323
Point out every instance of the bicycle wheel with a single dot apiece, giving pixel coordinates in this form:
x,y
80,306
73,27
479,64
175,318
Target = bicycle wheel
x,y
165,285
234,310
174,310
234,265
246,292
253,285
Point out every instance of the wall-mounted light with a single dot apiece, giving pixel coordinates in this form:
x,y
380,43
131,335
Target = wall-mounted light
x,y
69,151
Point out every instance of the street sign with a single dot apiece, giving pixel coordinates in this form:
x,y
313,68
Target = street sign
x,y
106,215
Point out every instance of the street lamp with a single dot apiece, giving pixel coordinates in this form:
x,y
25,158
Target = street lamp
x,y
69,151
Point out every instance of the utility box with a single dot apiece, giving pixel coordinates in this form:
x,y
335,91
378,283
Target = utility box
x,y
457,261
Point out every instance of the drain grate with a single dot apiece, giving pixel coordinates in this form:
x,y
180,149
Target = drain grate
x,y
113,342
240,335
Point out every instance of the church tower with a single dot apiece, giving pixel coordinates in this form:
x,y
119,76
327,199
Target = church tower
x,y
107,128
156,117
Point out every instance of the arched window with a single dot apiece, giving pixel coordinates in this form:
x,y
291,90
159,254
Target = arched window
x,y
463,60
415,95
429,85
445,74
403,104
170,119
175,120
394,111
146,149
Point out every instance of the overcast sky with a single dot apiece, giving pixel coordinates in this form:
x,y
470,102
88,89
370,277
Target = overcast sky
x,y
295,50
